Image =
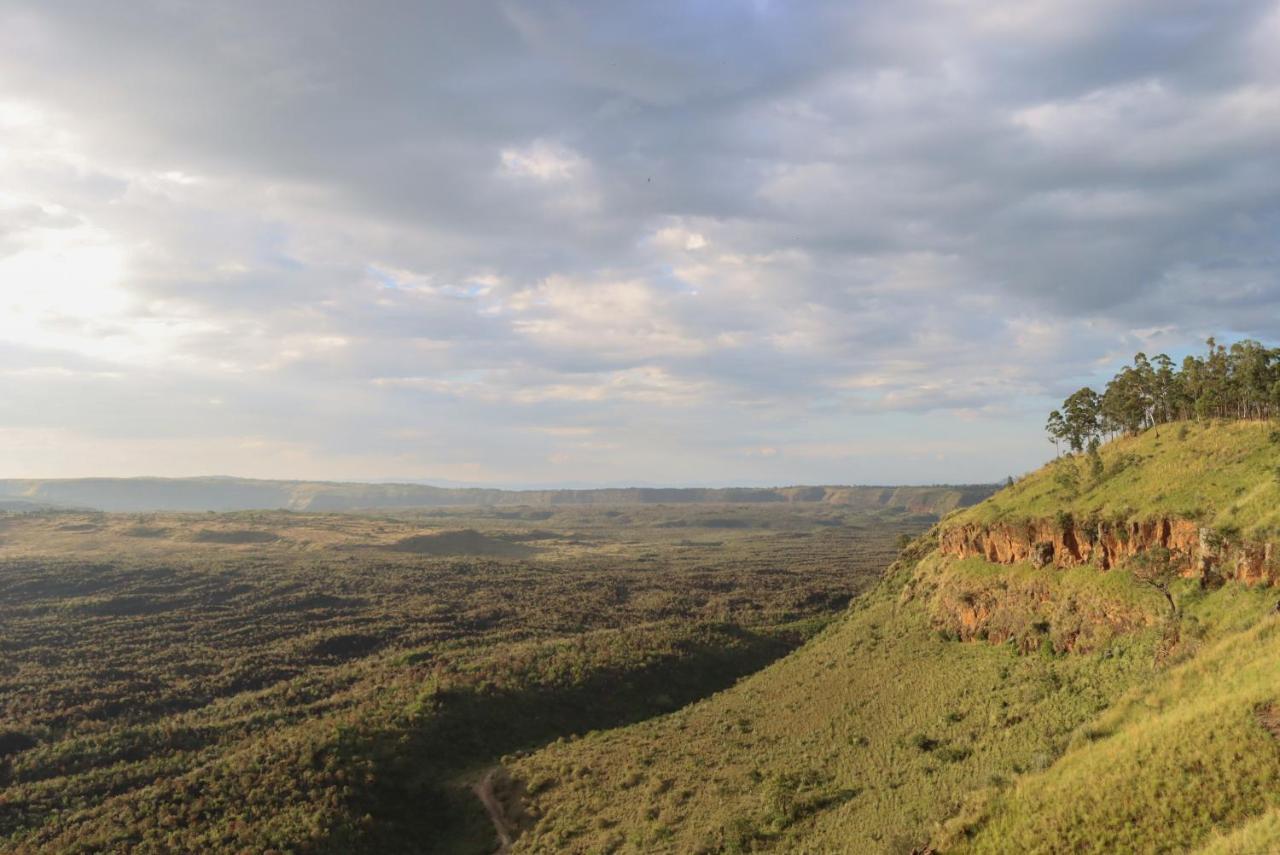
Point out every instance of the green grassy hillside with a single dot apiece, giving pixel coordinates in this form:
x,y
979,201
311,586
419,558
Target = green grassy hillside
x,y
945,710
1224,475
865,741
1179,761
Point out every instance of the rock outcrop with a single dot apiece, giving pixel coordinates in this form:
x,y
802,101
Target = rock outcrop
x,y
1065,542
1030,612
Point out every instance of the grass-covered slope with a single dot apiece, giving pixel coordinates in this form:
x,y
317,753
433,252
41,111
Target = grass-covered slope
x,y
1180,760
1223,475
973,707
864,741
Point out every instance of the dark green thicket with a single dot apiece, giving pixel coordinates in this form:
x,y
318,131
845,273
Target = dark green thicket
x,y
450,728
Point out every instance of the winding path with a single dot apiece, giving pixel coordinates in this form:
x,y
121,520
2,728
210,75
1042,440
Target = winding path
x,y
484,792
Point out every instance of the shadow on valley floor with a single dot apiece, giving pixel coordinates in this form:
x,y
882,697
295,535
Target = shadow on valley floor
x,y
297,683
452,731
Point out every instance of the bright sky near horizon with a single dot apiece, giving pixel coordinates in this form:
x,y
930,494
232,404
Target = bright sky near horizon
x,y
607,243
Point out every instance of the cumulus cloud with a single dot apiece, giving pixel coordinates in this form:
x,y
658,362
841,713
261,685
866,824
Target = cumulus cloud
x,y
614,242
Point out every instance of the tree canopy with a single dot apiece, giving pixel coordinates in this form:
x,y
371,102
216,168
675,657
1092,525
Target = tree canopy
x,y
1237,382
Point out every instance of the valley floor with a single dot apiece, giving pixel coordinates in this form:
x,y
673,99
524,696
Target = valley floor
x,y
315,683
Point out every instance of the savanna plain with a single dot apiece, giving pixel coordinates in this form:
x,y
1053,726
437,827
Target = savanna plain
x,y
308,682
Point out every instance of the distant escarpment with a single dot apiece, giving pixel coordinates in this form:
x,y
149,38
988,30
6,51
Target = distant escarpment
x,y
236,494
1199,551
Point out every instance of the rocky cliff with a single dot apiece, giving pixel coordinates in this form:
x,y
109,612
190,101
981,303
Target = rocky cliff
x,y
1029,612
1065,542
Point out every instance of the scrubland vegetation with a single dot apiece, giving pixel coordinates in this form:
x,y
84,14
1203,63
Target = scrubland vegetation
x,y
261,682
865,741
1181,760
964,706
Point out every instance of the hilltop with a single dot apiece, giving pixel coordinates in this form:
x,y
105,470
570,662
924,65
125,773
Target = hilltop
x,y
240,494
1089,660
1224,475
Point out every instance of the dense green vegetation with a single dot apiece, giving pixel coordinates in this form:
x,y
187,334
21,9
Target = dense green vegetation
x,y
286,682
1237,382
967,706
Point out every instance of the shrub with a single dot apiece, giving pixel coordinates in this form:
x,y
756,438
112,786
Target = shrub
x,y
1066,478
924,742
1096,468
953,754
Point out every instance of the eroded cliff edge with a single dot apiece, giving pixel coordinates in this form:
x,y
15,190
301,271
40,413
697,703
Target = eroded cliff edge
x,y
1202,552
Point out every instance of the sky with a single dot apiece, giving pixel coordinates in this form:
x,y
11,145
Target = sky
x,y
523,243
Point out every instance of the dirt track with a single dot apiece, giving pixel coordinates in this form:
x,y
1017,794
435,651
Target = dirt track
x,y
484,792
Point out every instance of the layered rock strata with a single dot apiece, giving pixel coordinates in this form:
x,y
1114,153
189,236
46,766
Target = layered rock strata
x,y
1065,542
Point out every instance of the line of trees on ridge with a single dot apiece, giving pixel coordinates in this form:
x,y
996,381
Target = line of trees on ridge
x,y
1237,382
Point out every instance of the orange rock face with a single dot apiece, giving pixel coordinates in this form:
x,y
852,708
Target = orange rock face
x,y
1046,542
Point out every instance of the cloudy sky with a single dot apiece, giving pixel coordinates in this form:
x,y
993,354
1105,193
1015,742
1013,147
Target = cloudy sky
x,y
707,242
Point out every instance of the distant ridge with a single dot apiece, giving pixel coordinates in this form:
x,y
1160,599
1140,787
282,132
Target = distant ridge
x,y
236,494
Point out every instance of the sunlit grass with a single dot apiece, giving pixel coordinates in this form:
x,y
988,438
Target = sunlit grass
x,y
1172,762
884,734
879,728
1223,475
